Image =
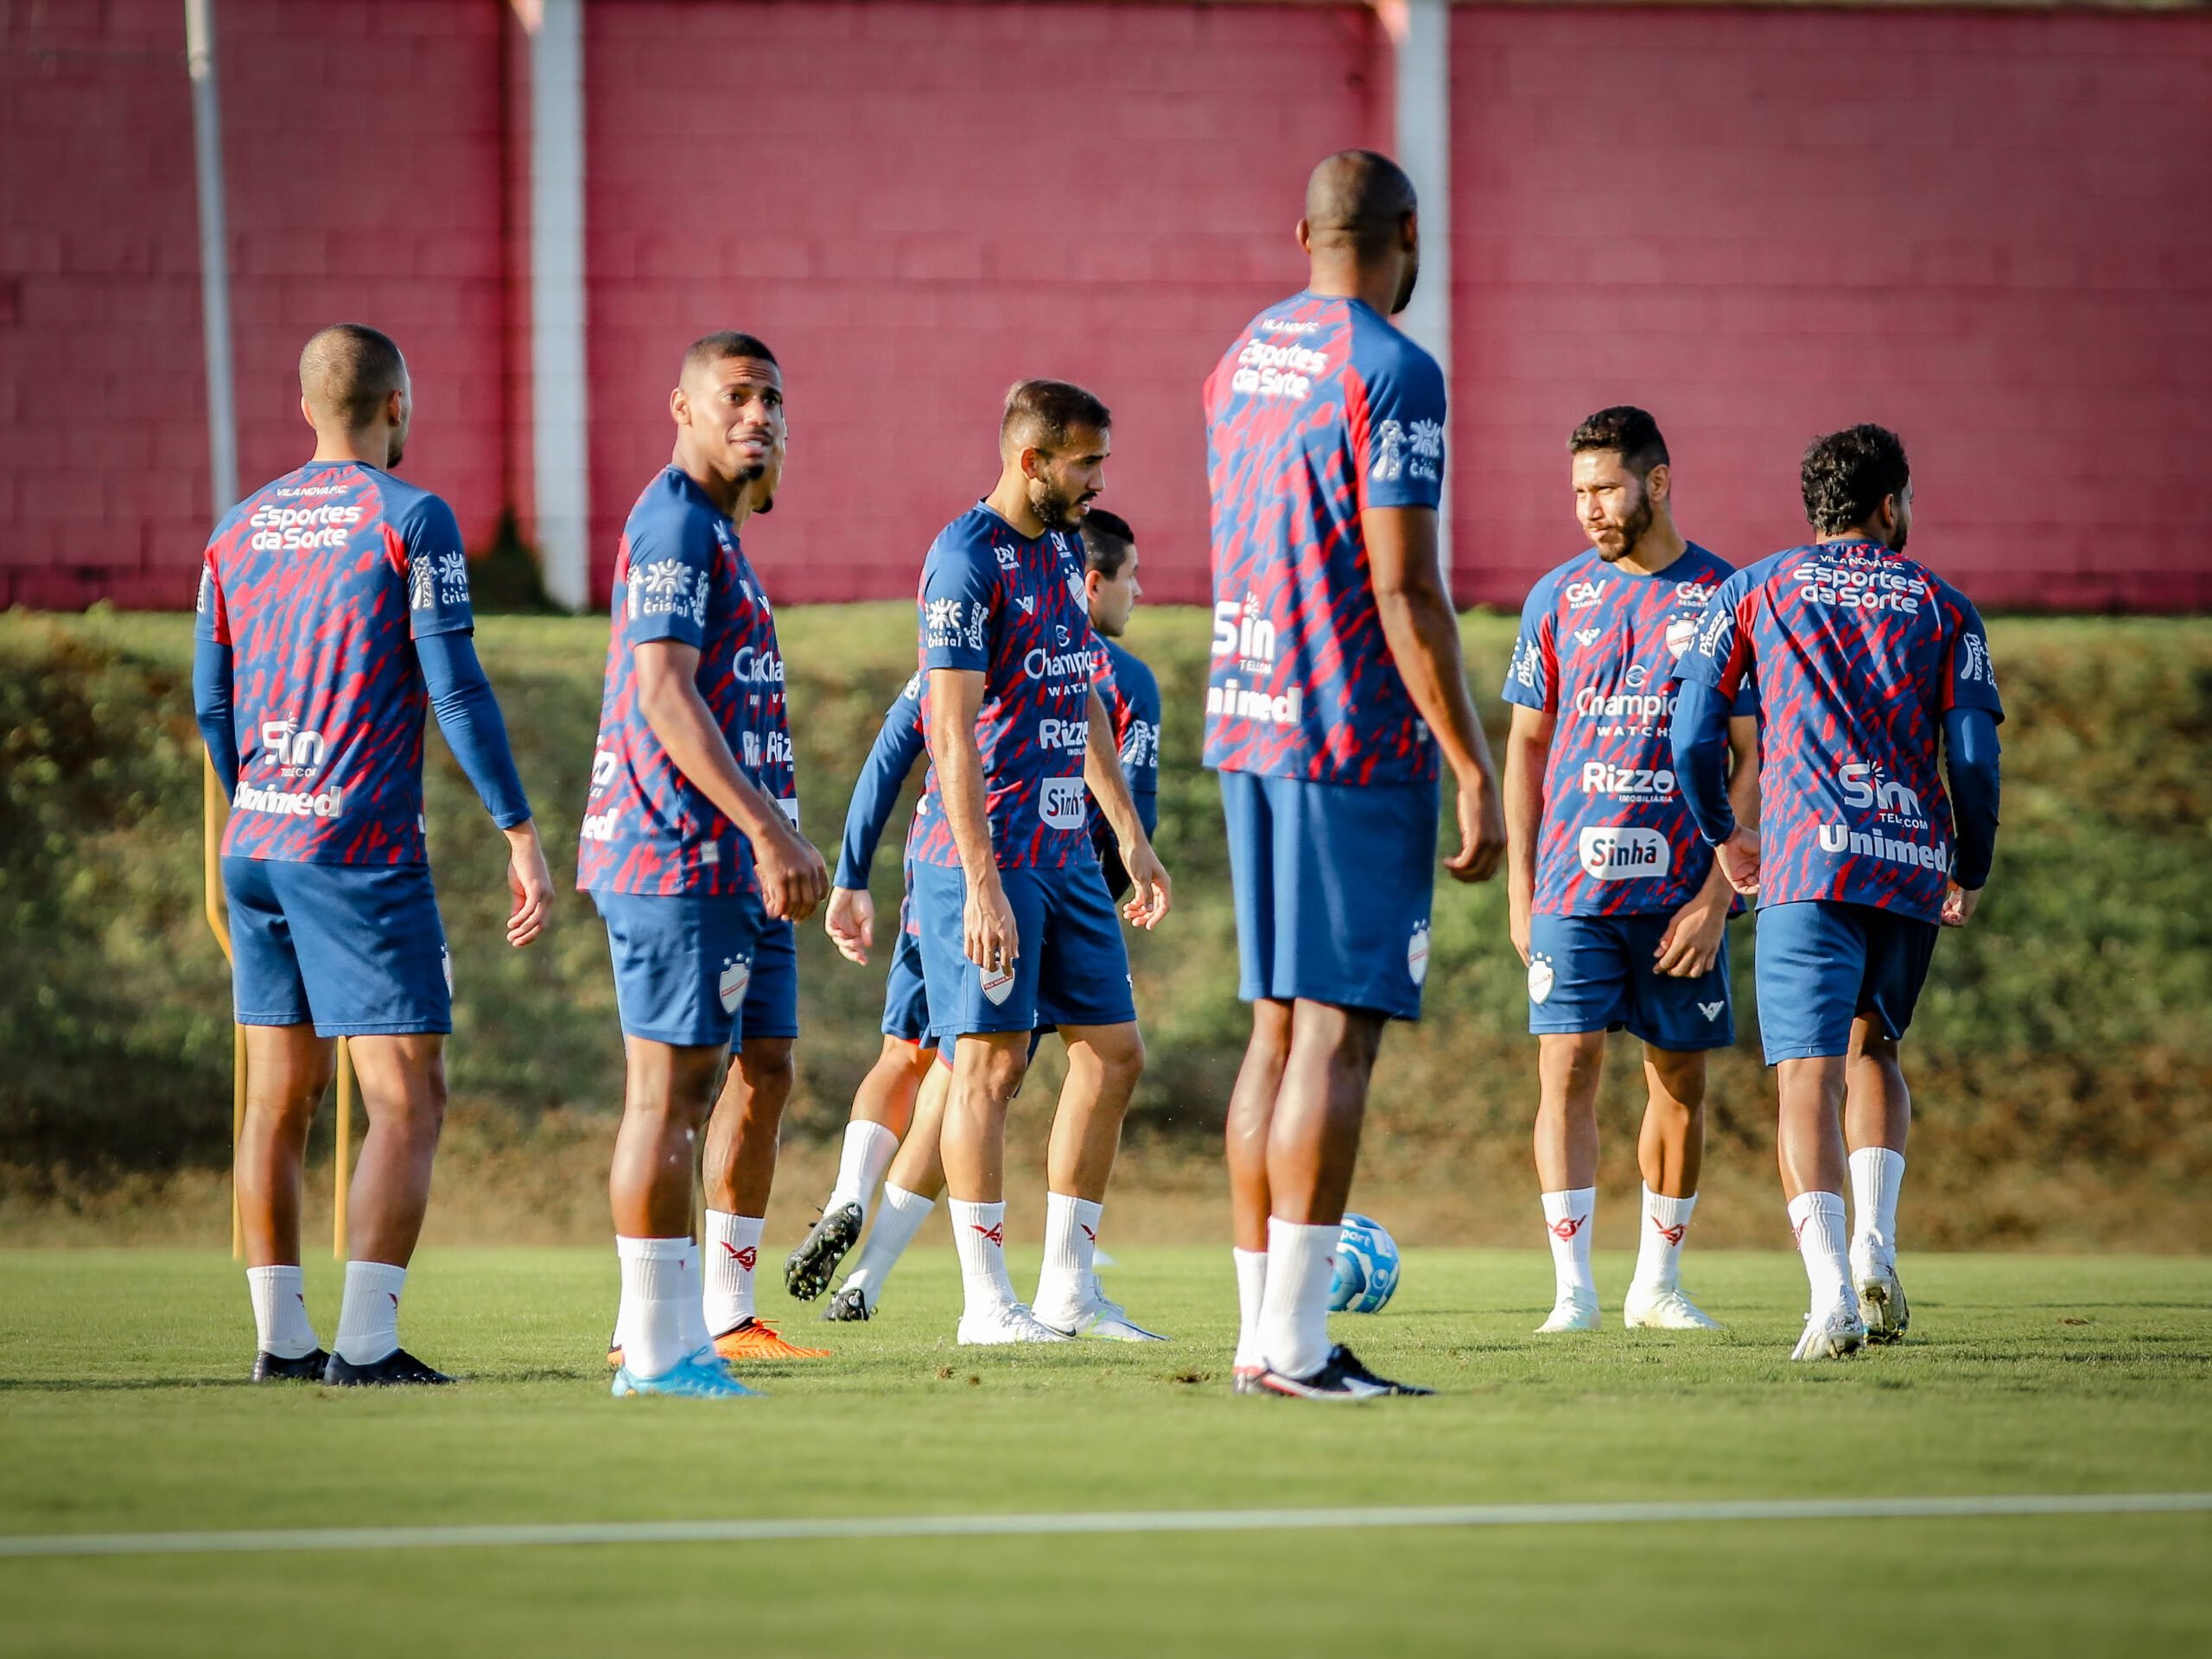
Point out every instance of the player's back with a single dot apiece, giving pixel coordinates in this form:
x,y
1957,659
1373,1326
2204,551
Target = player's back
x,y
1859,650
318,581
1321,409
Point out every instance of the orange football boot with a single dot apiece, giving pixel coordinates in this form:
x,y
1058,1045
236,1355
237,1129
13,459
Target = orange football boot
x,y
755,1338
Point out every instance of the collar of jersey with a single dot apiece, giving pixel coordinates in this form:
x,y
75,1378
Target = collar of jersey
x,y
1038,540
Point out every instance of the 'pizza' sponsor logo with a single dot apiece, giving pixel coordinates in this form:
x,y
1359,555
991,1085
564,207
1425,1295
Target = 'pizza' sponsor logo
x,y
1624,853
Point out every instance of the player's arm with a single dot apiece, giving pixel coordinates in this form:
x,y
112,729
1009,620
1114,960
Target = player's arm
x,y
468,715
1423,633
211,707
1970,759
1528,753
792,877
1691,942
849,918
1109,787
987,921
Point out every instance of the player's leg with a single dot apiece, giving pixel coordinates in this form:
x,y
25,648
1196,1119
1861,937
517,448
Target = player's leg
x,y
1877,1113
987,1072
1811,960
911,1189
1251,1115
1670,1152
1569,1066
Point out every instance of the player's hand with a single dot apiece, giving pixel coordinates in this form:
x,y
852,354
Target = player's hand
x,y
530,882
793,879
1959,903
1518,905
1739,860
1482,829
986,926
850,922
1152,895
1691,943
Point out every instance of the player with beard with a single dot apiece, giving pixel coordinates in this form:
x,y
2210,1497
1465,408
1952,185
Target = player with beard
x,y
1871,669
334,610
688,859
1336,689
1617,907
1002,860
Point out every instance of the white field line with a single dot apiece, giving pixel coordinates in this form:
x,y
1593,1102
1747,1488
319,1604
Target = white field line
x,y
1140,1521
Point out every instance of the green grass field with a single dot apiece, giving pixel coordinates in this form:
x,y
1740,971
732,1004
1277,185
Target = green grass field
x,y
122,1409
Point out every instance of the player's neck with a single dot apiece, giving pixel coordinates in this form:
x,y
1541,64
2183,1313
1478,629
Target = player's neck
x,y
1857,533
730,495
1656,548
1341,279
369,448
1009,498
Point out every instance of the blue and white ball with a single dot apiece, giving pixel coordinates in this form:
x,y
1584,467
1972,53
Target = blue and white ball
x,y
1365,1266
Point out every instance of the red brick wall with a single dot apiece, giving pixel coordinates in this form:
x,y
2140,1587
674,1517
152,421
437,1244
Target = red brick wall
x,y
916,205
1988,230
362,159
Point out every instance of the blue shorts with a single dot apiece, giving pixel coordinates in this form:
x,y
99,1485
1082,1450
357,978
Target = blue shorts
x,y
1821,963
356,951
1600,973
905,994
771,1007
683,965
1333,884
1070,967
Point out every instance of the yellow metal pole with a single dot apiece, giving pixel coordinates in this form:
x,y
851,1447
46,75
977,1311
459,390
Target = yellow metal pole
x,y
342,1154
214,810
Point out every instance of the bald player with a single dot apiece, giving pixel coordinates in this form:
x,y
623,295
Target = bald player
x,y
694,865
1335,698
333,609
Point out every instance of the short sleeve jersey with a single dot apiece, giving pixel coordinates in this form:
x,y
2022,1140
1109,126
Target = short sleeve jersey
x,y
680,575
1597,650
1013,608
1859,651
319,582
1319,410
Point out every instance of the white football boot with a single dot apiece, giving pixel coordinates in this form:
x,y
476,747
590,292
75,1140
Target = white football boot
x,y
1576,1310
1095,1316
1881,1300
1665,1307
1835,1334
1003,1324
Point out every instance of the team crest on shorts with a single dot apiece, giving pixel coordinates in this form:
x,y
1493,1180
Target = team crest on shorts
x,y
1540,978
998,985
737,973
1417,954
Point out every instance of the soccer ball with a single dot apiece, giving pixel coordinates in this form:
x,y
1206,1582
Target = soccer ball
x,y
1364,1267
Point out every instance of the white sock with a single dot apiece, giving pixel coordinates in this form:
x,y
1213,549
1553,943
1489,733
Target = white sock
x,y
897,1220
695,1334
368,1317
1876,1174
1251,1287
1294,1305
1817,1219
1666,1223
1567,1216
280,1311
732,1250
1071,1239
979,1234
660,1298
869,1148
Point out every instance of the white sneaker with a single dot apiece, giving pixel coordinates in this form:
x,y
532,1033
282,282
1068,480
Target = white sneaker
x,y
1096,1317
1004,1324
1576,1310
1881,1300
1836,1334
1668,1307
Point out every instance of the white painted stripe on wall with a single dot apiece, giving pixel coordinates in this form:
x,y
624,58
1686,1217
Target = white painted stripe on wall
x,y
559,408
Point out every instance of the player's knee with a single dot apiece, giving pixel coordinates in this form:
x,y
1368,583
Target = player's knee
x,y
1680,1078
1271,1032
769,1068
1120,1060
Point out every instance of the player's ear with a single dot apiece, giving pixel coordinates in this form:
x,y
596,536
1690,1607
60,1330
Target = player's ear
x,y
1409,230
679,407
1305,237
306,414
1033,460
1658,481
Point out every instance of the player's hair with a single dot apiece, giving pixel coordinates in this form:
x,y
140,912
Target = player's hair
x,y
1625,430
719,348
1848,474
347,370
1108,542
1044,413
1358,199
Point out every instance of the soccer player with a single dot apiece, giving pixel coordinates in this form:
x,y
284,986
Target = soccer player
x,y
916,1175
1002,862
1867,662
333,608
687,859
1336,680
1617,907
